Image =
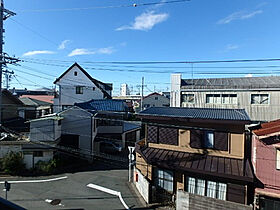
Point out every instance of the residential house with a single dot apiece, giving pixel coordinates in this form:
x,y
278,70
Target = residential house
x,y
266,163
84,126
35,108
259,96
200,151
31,152
75,85
155,100
11,106
36,92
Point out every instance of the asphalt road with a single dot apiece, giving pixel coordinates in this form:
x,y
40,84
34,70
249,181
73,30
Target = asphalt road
x,y
73,192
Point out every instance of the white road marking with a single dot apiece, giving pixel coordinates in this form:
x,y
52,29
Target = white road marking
x,y
109,191
35,181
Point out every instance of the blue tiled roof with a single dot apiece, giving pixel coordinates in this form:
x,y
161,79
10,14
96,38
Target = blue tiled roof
x,y
112,105
198,113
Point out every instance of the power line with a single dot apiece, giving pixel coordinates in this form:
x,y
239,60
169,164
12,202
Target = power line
x,y
105,7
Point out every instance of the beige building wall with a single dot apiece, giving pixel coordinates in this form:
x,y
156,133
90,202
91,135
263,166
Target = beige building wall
x,y
236,145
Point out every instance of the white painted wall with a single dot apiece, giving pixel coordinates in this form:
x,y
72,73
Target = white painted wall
x,y
175,93
142,185
67,88
77,122
151,101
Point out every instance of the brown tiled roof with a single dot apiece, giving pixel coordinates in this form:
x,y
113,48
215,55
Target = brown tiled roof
x,y
45,98
268,128
198,163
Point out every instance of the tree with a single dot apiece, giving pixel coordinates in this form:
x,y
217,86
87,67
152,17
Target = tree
x,y
12,163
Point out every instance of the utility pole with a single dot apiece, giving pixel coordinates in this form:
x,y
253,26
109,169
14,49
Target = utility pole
x,y
142,94
8,74
4,59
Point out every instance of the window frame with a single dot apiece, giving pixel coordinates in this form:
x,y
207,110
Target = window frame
x,y
277,158
187,95
220,98
218,193
260,94
162,181
208,144
80,90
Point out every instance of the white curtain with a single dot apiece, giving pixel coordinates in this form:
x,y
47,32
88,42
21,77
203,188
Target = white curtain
x,y
209,139
211,189
222,191
168,180
191,185
200,190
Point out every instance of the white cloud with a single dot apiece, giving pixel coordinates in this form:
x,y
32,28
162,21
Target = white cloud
x,y
241,15
248,75
84,51
62,46
37,52
146,21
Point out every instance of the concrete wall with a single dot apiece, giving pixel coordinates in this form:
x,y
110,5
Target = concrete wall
x,y
190,201
175,95
150,101
79,122
44,130
261,112
142,185
30,160
6,148
68,85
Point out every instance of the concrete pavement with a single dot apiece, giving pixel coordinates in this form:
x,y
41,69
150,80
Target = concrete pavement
x,y
73,192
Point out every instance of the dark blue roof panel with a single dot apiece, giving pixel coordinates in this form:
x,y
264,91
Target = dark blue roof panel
x,y
198,113
112,105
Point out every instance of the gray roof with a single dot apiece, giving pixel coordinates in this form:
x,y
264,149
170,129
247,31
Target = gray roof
x,y
131,126
198,113
34,102
232,83
112,105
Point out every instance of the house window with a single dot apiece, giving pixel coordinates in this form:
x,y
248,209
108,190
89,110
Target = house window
x,y
75,73
216,190
206,188
278,158
196,186
93,88
79,90
156,98
208,139
221,98
259,98
164,179
38,153
59,122
187,98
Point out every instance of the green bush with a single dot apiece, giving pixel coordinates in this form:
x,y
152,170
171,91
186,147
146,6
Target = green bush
x,y
12,163
47,166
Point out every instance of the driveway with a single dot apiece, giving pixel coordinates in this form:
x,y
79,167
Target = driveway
x,y
73,192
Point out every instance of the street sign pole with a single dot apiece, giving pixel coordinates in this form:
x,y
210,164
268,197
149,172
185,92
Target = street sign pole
x,y
130,159
7,188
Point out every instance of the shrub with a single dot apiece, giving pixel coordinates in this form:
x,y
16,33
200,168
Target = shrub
x,y
12,163
47,166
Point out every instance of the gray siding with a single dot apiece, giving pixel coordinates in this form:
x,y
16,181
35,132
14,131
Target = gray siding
x,y
261,112
44,130
78,122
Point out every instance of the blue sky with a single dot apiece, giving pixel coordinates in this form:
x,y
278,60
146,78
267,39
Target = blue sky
x,y
194,30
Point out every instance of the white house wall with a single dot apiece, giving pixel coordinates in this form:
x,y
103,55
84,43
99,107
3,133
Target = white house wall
x,y
68,85
152,102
